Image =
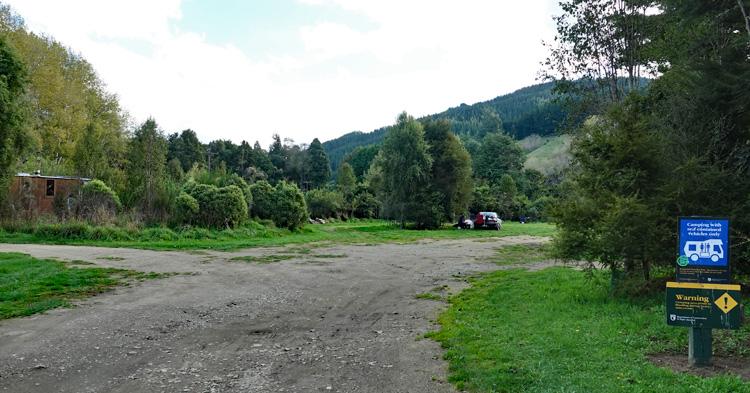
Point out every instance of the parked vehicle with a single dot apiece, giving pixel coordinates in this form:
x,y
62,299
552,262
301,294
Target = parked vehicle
x,y
712,249
488,220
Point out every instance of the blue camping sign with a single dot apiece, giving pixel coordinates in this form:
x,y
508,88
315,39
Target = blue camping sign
x,y
703,250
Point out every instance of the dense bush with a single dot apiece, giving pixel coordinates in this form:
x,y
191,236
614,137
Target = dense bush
x,y
323,203
186,209
289,208
483,200
221,178
365,205
218,207
262,192
98,202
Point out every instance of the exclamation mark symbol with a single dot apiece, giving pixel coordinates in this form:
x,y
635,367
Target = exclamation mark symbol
x,y
726,299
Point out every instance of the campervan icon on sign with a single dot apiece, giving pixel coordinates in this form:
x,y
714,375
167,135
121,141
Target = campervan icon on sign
x,y
712,249
704,242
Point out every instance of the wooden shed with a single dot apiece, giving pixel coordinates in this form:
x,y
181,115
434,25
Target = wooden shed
x,y
35,193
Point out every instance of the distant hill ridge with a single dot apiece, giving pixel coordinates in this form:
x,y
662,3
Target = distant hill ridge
x,y
530,110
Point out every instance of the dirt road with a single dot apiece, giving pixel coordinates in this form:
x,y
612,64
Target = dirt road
x,y
341,319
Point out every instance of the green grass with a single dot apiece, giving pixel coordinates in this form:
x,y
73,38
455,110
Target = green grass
x,y
29,285
264,259
558,331
252,235
429,296
111,258
328,256
520,254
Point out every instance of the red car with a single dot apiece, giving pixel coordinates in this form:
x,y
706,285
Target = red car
x,y
488,220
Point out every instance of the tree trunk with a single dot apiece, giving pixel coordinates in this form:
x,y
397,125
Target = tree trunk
x,y
646,265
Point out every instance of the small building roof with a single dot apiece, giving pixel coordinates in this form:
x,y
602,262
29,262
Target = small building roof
x,y
24,174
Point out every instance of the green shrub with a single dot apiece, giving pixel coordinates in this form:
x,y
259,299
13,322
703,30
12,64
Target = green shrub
x,y
186,209
262,192
484,200
68,231
158,234
218,207
98,202
220,178
289,208
323,203
197,233
233,203
108,233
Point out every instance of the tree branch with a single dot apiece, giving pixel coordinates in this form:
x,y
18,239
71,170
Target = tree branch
x,y
744,15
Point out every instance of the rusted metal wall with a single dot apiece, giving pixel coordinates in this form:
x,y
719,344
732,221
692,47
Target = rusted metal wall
x,y
34,195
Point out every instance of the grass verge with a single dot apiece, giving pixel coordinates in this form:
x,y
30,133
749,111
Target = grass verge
x,y
252,234
556,330
29,285
522,254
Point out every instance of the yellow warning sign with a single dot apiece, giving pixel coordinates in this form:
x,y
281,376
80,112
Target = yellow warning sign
x,y
726,303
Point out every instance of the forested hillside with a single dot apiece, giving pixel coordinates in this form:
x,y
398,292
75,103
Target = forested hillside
x,y
527,111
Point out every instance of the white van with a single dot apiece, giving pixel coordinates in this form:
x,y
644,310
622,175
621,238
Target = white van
x,y
708,249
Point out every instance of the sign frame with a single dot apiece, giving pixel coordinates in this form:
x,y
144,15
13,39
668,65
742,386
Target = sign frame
x,y
703,305
703,273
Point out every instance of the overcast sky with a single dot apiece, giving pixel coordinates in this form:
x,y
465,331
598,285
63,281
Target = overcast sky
x,y
245,69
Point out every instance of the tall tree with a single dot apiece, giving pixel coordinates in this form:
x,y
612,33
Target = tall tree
x,y
361,158
405,165
498,154
100,154
345,180
451,168
186,148
65,94
277,154
669,151
601,43
346,183
318,166
147,157
12,111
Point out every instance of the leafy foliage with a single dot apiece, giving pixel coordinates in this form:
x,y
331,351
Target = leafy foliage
x,y
318,167
405,164
147,157
668,151
324,203
186,149
12,111
498,155
186,209
97,199
288,206
451,170
64,95
262,192
218,207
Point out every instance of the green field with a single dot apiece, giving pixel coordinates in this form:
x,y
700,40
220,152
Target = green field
x,y
29,285
256,235
557,330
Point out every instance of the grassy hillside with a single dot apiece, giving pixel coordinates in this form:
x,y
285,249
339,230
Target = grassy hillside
x,y
524,112
547,154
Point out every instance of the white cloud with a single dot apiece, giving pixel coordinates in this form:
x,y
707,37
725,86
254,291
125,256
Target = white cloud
x,y
420,56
